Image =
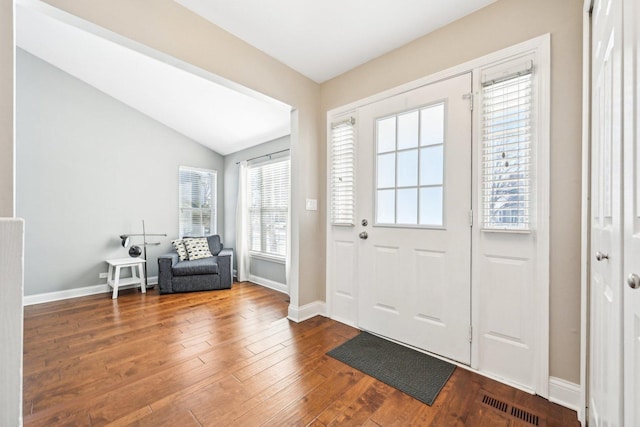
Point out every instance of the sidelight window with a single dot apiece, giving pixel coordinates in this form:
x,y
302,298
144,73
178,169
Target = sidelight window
x,y
506,150
343,172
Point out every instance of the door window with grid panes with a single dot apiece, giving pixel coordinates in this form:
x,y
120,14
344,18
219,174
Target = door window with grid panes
x,y
409,167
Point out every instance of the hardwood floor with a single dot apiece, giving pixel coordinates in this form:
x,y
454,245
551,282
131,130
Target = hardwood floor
x,y
225,358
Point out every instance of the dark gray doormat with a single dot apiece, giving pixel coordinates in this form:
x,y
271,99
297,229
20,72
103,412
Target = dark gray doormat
x,y
416,374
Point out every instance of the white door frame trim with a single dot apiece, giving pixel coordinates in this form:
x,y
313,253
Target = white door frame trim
x,y
541,47
586,212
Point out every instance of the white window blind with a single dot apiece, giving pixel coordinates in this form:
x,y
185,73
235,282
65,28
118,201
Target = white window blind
x,y
268,207
343,172
197,204
506,153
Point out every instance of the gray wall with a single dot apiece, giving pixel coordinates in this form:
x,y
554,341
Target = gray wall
x,y
261,268
90,168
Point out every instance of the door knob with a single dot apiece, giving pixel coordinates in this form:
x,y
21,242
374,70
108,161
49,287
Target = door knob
x,y
363,235
633,280
600,256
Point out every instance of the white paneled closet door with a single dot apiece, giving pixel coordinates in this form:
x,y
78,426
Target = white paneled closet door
x,y
614,353
631,233
605,352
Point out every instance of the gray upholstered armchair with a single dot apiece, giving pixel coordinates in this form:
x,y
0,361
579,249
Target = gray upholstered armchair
x,y
203,274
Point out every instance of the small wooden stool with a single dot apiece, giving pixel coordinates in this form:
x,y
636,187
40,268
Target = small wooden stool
x,y
113,279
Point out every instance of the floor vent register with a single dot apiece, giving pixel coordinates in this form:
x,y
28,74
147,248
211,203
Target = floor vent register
x,y
513,411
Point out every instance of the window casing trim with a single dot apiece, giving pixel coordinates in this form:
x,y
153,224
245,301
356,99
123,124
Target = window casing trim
x,y
268,257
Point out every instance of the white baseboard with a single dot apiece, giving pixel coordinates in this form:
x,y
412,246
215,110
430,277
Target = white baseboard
x,y
564,393
75,293
276,286
300,314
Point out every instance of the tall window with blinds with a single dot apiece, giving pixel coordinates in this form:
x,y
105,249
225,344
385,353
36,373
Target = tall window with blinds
x,y
343,172
197,202
507,106
268,201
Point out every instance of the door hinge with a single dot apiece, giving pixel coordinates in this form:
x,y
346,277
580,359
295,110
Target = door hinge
x,y
470,333
469,96
471,218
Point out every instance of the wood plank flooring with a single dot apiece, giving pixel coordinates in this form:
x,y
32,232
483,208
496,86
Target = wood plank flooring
x,y
225,358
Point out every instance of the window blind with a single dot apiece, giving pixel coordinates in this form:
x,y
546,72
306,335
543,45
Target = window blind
x,y
197,204
268,207
506,152
343,172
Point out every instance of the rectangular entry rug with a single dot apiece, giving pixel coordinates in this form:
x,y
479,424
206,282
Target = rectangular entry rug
x,y
416,374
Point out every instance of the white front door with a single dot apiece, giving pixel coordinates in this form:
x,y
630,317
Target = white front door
x,y
631,234
414,195
606,285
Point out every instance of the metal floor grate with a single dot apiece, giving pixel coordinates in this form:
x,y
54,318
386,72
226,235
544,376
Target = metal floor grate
x,y
513,411
525,416
495,403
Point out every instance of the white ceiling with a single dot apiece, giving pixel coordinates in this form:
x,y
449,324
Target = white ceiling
x,y
206,108
324,38
320,39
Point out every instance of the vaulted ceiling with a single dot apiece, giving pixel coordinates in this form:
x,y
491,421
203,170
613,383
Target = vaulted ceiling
x,y
320,39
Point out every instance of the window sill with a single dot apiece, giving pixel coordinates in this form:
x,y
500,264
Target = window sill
x,y
267,257
507,230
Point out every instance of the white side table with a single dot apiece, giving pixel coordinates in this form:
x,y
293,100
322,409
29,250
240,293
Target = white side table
x,y
113,278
